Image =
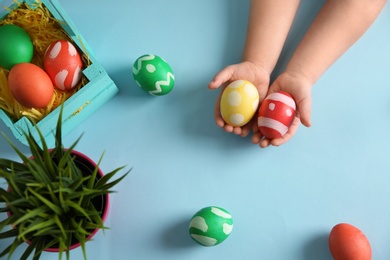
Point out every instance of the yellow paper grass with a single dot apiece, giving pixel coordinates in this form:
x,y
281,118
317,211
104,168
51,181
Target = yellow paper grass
x,y
43,29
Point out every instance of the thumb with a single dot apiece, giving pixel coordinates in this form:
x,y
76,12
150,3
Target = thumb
x,y
223,76
304,111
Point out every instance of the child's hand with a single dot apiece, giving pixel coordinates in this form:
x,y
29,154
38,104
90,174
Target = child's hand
x,y
244,70
300,89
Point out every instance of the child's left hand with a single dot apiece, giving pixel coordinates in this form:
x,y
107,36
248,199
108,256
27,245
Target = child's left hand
x,y
300,89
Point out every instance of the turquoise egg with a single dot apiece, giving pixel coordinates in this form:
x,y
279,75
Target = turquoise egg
x,y
153,75
210,226
15,46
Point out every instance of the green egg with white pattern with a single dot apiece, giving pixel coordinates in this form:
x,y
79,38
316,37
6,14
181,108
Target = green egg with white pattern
x,y
153,75
210,226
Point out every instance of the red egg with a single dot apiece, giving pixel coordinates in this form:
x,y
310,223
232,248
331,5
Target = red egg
x,y
30,85
347,242
276,114
63,64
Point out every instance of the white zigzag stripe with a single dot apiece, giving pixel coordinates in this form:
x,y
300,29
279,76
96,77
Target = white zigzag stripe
x,y
160,83
139,63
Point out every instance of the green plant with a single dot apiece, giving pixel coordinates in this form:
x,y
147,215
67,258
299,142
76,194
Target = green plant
x,y
49,200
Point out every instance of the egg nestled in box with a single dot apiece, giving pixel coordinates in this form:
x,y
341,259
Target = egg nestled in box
x,y
239,102
63,64
30,85
15,46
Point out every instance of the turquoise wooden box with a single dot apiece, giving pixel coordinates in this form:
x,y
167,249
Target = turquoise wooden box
x,y
83,103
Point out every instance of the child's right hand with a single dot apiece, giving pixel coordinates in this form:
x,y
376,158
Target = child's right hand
x,y
244,70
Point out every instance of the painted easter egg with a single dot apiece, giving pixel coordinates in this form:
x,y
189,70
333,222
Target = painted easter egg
x,y
210,226
30,85
153,75
276,114
346,242
63,64
15,46
239,102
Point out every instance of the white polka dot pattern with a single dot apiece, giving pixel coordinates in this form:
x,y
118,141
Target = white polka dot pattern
x,y
276,114
239,102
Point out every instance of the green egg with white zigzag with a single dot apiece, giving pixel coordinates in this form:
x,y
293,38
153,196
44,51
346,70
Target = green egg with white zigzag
x,y
210,226
153,75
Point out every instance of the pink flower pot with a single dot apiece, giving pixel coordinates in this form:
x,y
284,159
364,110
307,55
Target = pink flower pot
x,y
105,203
102,204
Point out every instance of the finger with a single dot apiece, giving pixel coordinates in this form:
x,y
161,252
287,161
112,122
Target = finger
x,y
228,128
255,128
256,138
245,130
217,111
265,143
219,121
215,83
221,77
290,133
304,108
237,130
256,134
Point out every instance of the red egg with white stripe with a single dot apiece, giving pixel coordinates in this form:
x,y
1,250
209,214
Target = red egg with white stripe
x,y
276,114
63,64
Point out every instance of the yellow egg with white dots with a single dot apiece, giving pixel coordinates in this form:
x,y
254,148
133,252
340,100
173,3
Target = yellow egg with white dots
x,y
239,102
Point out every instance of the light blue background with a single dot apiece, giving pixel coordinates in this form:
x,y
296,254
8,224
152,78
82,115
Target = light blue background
x,y
284,200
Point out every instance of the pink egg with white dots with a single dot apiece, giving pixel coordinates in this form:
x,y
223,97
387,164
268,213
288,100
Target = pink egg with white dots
x,y
276,114
63,64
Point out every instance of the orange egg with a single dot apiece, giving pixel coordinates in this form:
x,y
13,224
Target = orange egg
x,y
30,85
347,242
